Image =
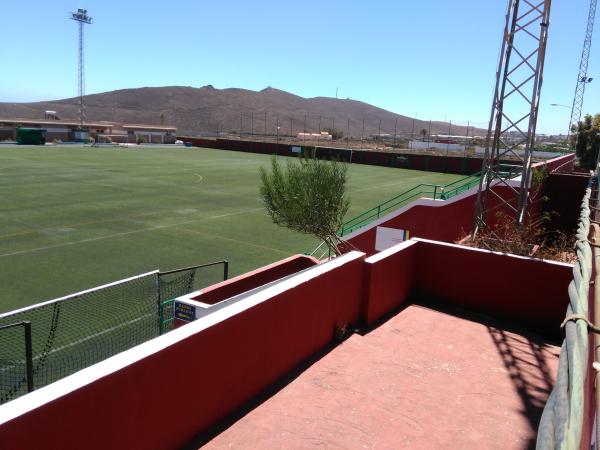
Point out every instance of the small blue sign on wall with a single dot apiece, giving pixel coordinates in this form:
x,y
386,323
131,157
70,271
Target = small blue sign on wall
x,y
184,311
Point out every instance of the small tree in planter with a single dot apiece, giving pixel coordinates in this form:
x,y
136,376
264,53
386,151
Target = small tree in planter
x,y
308,195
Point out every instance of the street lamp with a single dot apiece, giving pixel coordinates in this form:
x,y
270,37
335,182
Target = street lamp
x,y
569,132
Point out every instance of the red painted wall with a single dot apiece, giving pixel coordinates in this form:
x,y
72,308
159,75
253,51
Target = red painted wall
x,y
565,192
562,163
530,291
250,280
451,220
443,223
213,372
523,290
430,163
446,222
389,282
208,374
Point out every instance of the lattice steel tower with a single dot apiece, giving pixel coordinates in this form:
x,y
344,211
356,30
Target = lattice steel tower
x,y
82,18
582,78
513,119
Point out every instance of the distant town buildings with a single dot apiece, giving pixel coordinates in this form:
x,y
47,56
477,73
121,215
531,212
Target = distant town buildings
x,y
322,136
71,130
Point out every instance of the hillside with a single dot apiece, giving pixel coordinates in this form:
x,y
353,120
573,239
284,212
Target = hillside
x,y
208,110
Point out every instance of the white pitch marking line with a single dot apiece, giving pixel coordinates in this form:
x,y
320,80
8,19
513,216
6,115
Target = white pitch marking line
x,y
125,233
235,213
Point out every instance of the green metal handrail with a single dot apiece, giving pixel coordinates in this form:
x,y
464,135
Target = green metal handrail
x,y
393,200
383,208
423,190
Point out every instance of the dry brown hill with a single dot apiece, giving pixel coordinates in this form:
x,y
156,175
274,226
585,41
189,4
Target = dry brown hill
x,y
207,110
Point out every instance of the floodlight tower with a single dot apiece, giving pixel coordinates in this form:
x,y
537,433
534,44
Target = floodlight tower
x,y
81,16
513,120
582,77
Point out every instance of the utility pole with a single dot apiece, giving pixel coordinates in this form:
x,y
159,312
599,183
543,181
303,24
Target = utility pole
x,y
429,134
304,134
467,139
265,135
348,134
362,136
395,131
448,143
82,18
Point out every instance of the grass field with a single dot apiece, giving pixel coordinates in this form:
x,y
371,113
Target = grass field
x,y
73,218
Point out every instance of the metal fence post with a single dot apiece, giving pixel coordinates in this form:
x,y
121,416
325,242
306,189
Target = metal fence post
x,y
28,355
160,306
225,270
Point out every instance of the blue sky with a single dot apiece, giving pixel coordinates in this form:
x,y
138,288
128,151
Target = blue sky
x,y
432,58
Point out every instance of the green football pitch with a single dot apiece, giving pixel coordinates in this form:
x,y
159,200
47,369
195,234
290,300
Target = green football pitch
x,y
76,217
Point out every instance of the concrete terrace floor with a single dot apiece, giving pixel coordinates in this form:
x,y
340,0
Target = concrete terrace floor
x,y
423,379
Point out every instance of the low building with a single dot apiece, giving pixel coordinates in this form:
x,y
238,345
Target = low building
x,y
322,136
152,134
70,130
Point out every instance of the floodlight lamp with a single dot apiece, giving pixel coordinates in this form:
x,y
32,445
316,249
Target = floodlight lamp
x,y
81,16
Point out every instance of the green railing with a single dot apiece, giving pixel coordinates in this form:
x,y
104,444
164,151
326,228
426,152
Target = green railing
x,y
166,316
178,282
424,190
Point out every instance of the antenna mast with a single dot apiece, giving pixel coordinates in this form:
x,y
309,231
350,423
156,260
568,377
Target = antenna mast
x,y
82,18
582,78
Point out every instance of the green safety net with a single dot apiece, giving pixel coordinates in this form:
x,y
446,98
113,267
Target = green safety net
x,y
76,331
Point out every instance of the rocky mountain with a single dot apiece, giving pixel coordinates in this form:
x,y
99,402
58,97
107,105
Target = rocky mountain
x,y
207,110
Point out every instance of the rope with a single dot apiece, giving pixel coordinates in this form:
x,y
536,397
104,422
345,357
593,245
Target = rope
x,y
561,424
574,317
581,241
